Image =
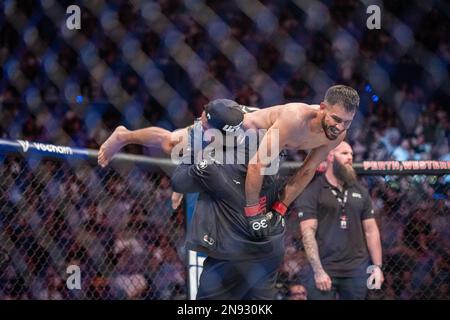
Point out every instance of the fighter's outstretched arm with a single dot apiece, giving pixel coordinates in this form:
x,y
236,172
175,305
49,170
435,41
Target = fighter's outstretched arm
x,y
258,163
269,149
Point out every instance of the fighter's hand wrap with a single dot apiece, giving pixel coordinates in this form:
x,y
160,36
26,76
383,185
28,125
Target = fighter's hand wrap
x,y
265,224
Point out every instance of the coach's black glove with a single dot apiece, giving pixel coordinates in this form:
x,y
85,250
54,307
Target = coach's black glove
x,y
264,224
277,223
257,221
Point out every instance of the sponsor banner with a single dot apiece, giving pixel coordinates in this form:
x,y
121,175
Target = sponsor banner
x,y
431,165
44,147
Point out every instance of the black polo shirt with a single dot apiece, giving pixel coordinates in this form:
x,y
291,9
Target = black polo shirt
x,y
340,237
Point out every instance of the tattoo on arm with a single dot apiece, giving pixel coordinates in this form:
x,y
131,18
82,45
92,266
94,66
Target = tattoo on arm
x,y
312,249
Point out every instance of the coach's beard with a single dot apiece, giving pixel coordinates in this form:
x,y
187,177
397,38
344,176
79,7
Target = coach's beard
x,y
345,173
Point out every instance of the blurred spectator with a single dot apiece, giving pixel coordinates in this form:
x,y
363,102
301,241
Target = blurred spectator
x,y
297,292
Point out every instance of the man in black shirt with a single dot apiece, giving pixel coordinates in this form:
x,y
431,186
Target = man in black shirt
x,y
339,231
241,263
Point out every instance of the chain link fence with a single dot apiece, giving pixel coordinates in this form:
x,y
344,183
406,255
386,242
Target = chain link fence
x,y
142,63
118,226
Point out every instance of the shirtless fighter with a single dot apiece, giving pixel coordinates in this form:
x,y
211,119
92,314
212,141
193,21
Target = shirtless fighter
x,y
297,126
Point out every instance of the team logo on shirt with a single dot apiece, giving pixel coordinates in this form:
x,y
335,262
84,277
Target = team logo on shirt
x,y
202,164
208,239
356,195
247,109
230,128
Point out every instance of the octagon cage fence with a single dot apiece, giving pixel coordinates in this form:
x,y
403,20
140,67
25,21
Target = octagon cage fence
x,y
59,210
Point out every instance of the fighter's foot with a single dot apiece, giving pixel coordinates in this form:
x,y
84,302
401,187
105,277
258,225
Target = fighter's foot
x,y
111,146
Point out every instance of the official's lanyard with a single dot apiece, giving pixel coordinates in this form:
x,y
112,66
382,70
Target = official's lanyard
x,y
343,217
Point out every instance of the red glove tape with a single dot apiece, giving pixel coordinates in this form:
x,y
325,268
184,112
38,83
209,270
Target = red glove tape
x,y
280,207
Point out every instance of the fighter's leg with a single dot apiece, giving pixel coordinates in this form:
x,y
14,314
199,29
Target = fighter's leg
x,y
178,137
150,137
